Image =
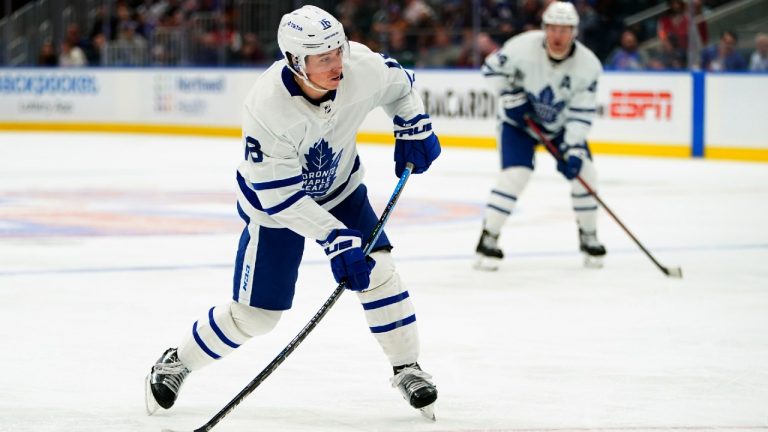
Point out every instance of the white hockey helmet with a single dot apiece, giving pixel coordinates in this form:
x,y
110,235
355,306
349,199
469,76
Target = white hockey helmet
x,y
306,31
561,13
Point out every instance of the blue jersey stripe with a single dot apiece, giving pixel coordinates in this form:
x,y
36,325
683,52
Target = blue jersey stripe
x,y
386,301
243,215
202,345
579,209
394,325
584,110
502,194
581,195
499,209
249,194
274,184
218,331
574,119
287,203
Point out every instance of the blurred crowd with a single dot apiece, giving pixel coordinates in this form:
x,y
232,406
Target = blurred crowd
x,y
419,33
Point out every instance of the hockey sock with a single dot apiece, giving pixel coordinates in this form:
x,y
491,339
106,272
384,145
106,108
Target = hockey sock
x,y
584,204
223,330
390,313
503,197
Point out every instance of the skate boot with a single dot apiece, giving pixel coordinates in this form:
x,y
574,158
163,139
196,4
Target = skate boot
x,y
488,253
416,388
164,381
593,250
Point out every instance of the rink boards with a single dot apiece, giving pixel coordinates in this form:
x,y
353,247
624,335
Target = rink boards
x,y
677,114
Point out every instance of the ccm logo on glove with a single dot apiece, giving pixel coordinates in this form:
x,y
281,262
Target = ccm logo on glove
x,y
348,261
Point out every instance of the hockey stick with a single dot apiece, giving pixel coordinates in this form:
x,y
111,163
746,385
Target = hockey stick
x,y
675,272
377,230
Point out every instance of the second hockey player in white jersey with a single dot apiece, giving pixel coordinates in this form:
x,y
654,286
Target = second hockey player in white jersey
x,y
301,177
552,78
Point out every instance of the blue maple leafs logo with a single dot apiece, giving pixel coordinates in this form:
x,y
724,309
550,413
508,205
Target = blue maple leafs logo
x,y
545,106
320,172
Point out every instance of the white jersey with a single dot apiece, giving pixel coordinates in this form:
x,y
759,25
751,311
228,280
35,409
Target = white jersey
x,y
300,155
562,93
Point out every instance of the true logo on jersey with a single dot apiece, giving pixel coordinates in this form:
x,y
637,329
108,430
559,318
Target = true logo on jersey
x,y
547,109
320,171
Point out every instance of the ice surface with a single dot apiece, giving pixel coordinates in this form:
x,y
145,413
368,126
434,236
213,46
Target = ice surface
x,y
112,245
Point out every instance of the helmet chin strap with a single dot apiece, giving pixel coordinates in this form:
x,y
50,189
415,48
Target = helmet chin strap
x,y
313,86
308,82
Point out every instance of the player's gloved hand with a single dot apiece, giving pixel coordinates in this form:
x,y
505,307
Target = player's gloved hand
x,y
416,143
348,262
516,105
573,159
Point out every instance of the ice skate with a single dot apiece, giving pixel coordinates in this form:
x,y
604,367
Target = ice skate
x,y
488,253
593,250
416,388
162,385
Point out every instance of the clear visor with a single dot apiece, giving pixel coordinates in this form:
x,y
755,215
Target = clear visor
x,y
325,62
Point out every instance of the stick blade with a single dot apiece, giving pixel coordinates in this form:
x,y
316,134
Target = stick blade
x,y
674,272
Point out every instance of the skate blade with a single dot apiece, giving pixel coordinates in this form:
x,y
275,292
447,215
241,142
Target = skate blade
x,y
485,263
149,400
428,412
591,261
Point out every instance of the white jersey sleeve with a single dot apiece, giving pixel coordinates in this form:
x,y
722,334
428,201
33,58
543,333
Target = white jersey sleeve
x,y
398,97
581,109
493,71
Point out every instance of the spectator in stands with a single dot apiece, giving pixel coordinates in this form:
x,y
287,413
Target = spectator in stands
x,y
398,48
627,57
673,26
130,47
442,52
590,30
98,43
666,57
723,56
47,55
417,13
104,23
758,62
207,50
529,15
252,52
475,49
356,15
71,55
72,35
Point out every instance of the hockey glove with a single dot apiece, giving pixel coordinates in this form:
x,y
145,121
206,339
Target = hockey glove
x,y
348,262
571,162
416,143
516,105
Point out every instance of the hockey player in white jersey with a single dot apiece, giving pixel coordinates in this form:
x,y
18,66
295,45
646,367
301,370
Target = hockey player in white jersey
x,y
552,78
301,177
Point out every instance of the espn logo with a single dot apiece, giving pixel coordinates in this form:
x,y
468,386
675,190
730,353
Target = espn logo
x,y
637,104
